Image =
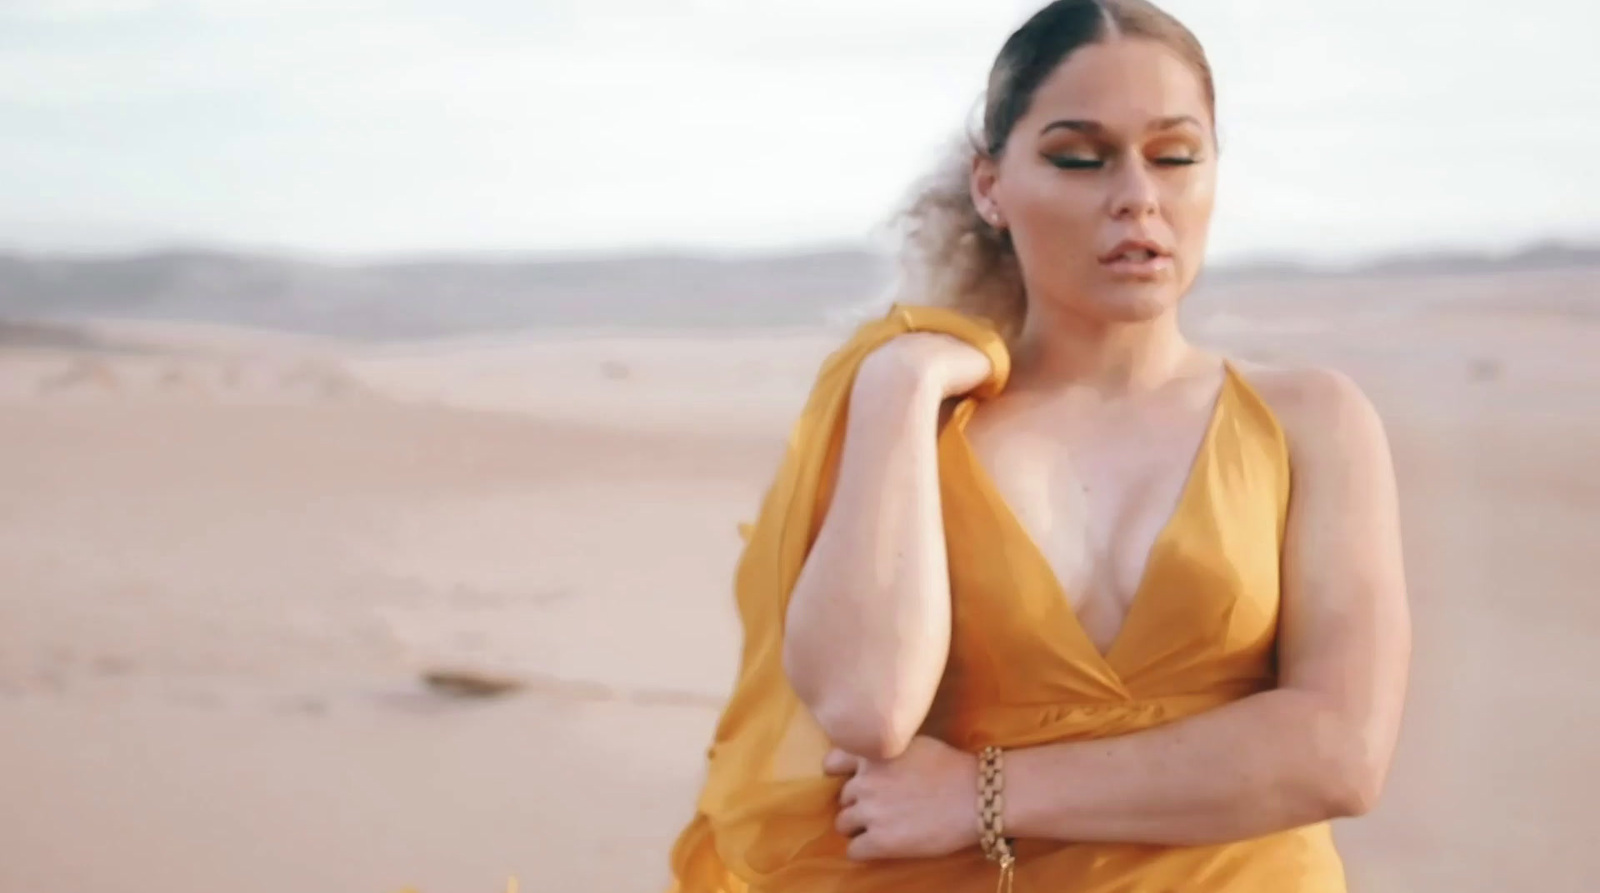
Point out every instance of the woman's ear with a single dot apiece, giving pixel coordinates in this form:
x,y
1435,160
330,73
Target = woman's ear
x,y
981,185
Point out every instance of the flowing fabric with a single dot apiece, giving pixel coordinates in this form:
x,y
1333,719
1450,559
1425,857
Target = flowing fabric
x,y
1200,632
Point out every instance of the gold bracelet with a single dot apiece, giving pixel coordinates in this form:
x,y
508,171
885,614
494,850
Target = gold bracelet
x,y
991,804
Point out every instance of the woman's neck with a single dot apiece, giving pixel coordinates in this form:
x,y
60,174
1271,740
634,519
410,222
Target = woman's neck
x,y
1058,350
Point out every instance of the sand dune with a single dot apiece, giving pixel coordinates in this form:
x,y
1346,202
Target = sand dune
x,y
226,567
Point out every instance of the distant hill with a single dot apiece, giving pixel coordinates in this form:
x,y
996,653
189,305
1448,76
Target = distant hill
x,y
425,297
1539,256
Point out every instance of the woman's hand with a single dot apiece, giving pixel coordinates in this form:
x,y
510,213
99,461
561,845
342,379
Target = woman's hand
x,y
932,362
922,803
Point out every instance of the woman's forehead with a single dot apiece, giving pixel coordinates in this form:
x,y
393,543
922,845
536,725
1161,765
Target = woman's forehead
x,y
1124,84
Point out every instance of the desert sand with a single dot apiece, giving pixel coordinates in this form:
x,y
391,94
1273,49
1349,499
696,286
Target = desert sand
x,y
227,558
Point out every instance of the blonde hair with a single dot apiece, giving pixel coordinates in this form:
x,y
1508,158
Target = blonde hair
x,y
948,255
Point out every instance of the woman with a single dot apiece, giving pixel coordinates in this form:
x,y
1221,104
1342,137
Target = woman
x,y
1055,548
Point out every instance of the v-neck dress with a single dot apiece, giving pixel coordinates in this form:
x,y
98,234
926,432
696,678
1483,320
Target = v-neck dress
x,y
1200,632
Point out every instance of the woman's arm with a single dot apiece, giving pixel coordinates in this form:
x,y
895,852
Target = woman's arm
x,y
867,631
1315,748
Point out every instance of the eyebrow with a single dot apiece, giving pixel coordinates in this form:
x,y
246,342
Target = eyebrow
x,y
1095,128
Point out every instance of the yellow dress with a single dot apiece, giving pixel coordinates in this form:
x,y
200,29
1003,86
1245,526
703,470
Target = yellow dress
x,y
1022,671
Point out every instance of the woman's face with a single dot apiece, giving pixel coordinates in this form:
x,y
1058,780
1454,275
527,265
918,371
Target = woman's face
x,y
1107,183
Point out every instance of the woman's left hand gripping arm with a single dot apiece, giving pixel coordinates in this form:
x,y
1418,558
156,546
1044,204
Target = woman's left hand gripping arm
x,y
1315,748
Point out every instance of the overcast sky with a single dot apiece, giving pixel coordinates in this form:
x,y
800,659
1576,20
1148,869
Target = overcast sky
x,y
351,127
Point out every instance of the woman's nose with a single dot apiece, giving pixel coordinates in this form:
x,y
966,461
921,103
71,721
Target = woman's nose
x,y
1133,191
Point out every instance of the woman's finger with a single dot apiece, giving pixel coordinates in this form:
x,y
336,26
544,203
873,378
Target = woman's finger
x,y
837,762
851,792
863,847
850,821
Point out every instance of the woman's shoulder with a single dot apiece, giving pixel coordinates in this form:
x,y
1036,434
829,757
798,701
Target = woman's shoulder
x,y
1302,393
1321,410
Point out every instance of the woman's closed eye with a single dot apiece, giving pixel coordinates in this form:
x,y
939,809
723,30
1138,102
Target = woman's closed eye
x,y
1082,162
1077,162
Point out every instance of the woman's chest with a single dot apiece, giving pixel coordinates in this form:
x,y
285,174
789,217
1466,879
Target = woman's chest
x,y
1093,493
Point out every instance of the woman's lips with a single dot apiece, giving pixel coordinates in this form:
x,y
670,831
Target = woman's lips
x,y
1138,264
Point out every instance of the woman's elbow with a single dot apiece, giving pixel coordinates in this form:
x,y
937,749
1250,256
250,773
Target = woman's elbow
x,y
1356,792
869,707
1353,782
853,717
864,729
1339,764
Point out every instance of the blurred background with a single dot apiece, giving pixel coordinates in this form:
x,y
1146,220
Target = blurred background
x,y
381,385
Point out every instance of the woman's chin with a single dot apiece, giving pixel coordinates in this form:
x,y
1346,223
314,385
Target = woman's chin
x,y
1131,302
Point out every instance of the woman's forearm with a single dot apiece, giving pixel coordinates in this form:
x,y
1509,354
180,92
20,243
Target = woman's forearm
x,y
1273,761
868,625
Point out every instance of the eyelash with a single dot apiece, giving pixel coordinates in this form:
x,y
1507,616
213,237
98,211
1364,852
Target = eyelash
x,y
1079,164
